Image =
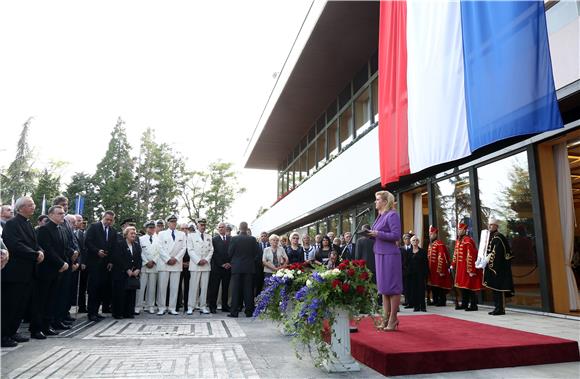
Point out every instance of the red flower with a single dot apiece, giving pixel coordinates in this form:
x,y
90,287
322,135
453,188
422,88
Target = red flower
x,y
364,275
362,263
342,266
360,290
345,287
346,261
336,283
350,272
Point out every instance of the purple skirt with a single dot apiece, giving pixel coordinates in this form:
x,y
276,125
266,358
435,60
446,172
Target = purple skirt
x,y
389,274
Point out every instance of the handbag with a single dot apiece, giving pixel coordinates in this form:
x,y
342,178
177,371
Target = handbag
x,y
133,283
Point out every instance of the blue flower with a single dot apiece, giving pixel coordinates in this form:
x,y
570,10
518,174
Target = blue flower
x,y
301,294
317,277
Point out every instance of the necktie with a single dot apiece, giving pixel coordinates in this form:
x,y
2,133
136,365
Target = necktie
x,y
106,233
150,239
173,234
224,238
201,236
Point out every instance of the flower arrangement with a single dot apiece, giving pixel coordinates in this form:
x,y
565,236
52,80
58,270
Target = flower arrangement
x,y
316,294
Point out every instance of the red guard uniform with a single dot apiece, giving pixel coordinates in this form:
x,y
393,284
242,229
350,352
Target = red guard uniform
x,y
464,257
439,262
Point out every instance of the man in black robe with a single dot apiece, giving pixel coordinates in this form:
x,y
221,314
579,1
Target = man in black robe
x,y
497,274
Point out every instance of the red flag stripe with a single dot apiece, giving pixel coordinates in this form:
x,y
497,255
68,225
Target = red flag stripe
x,y
393,127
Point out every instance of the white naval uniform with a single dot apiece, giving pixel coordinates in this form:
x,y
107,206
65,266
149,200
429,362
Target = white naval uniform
x,y
199,249
148,276
169,248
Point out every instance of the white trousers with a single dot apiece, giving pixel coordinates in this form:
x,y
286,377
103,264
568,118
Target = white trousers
x,y
197,278
165,277
148,287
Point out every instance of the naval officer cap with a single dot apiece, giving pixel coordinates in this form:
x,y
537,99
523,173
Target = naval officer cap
x,y
171,218
202,221
150,224
129,220
160,222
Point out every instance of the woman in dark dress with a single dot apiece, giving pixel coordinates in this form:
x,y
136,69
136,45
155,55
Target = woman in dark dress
x,y
322,255
294,251
418,268
127,263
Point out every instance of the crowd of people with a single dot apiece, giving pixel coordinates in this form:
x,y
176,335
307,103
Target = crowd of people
x,y
165,267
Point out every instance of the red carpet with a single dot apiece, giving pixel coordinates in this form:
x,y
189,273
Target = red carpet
x,y
432,343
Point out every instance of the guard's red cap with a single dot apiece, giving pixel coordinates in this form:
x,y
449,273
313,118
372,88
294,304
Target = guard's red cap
x,y
433,229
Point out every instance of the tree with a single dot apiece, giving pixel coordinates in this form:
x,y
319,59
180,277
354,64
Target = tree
x,y
261,211
81,184
48,187
192,190
20,177
223,188
114,179
145,179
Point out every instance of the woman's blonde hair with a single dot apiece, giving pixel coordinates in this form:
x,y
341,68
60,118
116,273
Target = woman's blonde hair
x,y
294,234
388,197
127,230
273,237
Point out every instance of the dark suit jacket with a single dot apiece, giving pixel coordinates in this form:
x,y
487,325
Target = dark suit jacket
x,y
20,239
53,241
364,250
220,251
80,237
243,251
123,260
95,241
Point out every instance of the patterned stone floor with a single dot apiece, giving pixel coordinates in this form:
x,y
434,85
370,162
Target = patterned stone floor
x,y
214,346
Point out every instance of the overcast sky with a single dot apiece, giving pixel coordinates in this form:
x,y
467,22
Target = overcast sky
x,y
199,73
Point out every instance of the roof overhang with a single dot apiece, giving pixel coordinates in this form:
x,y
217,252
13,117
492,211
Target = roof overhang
x,y
342,39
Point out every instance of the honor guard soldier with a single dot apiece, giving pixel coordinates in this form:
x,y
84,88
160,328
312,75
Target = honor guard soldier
x,y
171,244
497,275
439,262
148,277
467,278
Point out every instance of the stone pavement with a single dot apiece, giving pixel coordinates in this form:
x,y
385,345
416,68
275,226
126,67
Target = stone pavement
x,y
214,346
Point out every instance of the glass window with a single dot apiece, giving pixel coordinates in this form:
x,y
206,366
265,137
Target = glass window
x,y
312,158
362,112
375,95
280,184
284,182
344,96
452,205
345,125
346,222
321,123
312,232
322,227
303,143
321,149
332,137
304,164
333,225
290,177
375,62
331,110
312,134
361,78
504,192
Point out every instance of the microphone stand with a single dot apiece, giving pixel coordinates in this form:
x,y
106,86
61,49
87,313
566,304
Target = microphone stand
x,y
354,328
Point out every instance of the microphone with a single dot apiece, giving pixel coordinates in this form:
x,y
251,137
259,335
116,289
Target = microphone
x,y
367,210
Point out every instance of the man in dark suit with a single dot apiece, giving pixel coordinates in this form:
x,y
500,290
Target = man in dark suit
x,y
220,270
243,250
53,241
81,277
100,242
349,249
18,274
259,275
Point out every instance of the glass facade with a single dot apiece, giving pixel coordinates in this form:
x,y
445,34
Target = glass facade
x,y
348,117
504,192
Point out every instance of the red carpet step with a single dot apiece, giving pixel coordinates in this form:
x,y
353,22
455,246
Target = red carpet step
x,y
433,343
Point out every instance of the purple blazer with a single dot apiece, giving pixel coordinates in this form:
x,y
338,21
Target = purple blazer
x,y
388,227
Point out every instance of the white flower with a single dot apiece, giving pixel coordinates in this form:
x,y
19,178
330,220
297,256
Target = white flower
x,y
336,271
308,283
279,273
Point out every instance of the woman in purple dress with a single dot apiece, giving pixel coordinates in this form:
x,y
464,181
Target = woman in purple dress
x,y
387,231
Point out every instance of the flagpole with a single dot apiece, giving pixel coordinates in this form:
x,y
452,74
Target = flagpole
x,y
43,205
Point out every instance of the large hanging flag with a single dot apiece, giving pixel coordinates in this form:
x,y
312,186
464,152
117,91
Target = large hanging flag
x,y
455,76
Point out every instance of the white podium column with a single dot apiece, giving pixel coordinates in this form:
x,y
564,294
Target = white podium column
x,y
340,345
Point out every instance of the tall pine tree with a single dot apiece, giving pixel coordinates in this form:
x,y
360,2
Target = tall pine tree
x,y
48,187
114,179
20,177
